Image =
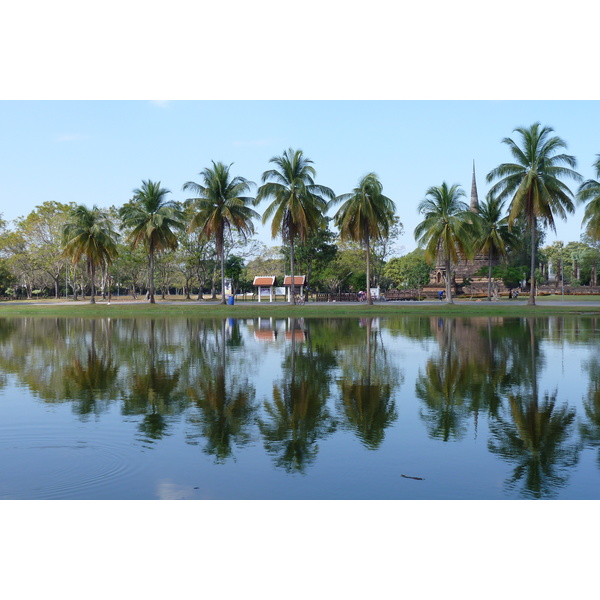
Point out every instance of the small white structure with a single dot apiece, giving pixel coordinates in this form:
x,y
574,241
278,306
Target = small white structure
x,y
265,287
298,283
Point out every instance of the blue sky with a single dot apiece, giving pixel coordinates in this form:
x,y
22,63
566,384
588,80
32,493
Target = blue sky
x,y
97,152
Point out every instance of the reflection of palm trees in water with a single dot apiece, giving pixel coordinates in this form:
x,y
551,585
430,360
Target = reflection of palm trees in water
x,y
476,365
442,388
590,429
536,435
224,403
535,439
153,389
367,385
89,382
298,410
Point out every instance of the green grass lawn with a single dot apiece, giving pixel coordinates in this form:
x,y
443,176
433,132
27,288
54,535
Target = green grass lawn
x,y
462,308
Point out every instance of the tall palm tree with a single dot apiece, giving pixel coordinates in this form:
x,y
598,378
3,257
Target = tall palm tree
x,y
365,215
446,229
89,233
589,191
533,182
493,233
298,205
219,206
152,219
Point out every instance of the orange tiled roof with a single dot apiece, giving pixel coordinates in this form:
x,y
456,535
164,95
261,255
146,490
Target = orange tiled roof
x,y
298,279
267,335
264,281
298,335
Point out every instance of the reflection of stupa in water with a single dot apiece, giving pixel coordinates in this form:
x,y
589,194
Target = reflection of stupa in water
x,y
467,338
465,270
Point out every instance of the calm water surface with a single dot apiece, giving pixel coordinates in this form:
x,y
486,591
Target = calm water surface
x,y
395,408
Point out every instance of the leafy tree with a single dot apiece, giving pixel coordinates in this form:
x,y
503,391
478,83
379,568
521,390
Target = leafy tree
x,y
89,233
383,248
130,268
221,205
554,254
446,228
153,221
21,262
298,203
582,258
365,215
234,269
409,271
533,182
166,270
315,254
6,279
347,271
42,234
268,261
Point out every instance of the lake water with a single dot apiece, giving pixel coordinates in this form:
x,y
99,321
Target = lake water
x,y
394,408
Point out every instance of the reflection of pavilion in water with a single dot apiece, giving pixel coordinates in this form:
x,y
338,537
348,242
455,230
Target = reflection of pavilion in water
x,y
270,329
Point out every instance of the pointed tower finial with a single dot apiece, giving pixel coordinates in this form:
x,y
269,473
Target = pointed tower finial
x,y
474,199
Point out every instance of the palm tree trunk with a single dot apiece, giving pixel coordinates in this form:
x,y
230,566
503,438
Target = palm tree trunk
x,y
93,282
151,282
368,247
532,280
448,281
292,269
490,277
222,253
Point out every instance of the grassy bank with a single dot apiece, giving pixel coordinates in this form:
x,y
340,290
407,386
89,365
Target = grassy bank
x,y
254,309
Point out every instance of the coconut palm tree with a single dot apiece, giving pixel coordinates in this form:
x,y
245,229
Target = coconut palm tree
x,y
533,182
220,206
589,191
447,228
493,233
298,205
152,220
89,233
365,215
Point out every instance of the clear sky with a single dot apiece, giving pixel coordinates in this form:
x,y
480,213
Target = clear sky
x,y
97,152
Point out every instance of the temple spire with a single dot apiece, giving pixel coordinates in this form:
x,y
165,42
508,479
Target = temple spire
x,y
474,200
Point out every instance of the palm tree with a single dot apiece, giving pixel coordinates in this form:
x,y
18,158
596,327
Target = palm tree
x,y
90,233
533,182
298,205
365,215
221,205
152,220
589,191
493,234
446,229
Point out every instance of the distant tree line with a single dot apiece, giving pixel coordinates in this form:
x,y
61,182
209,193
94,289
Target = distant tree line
x,y
153,244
